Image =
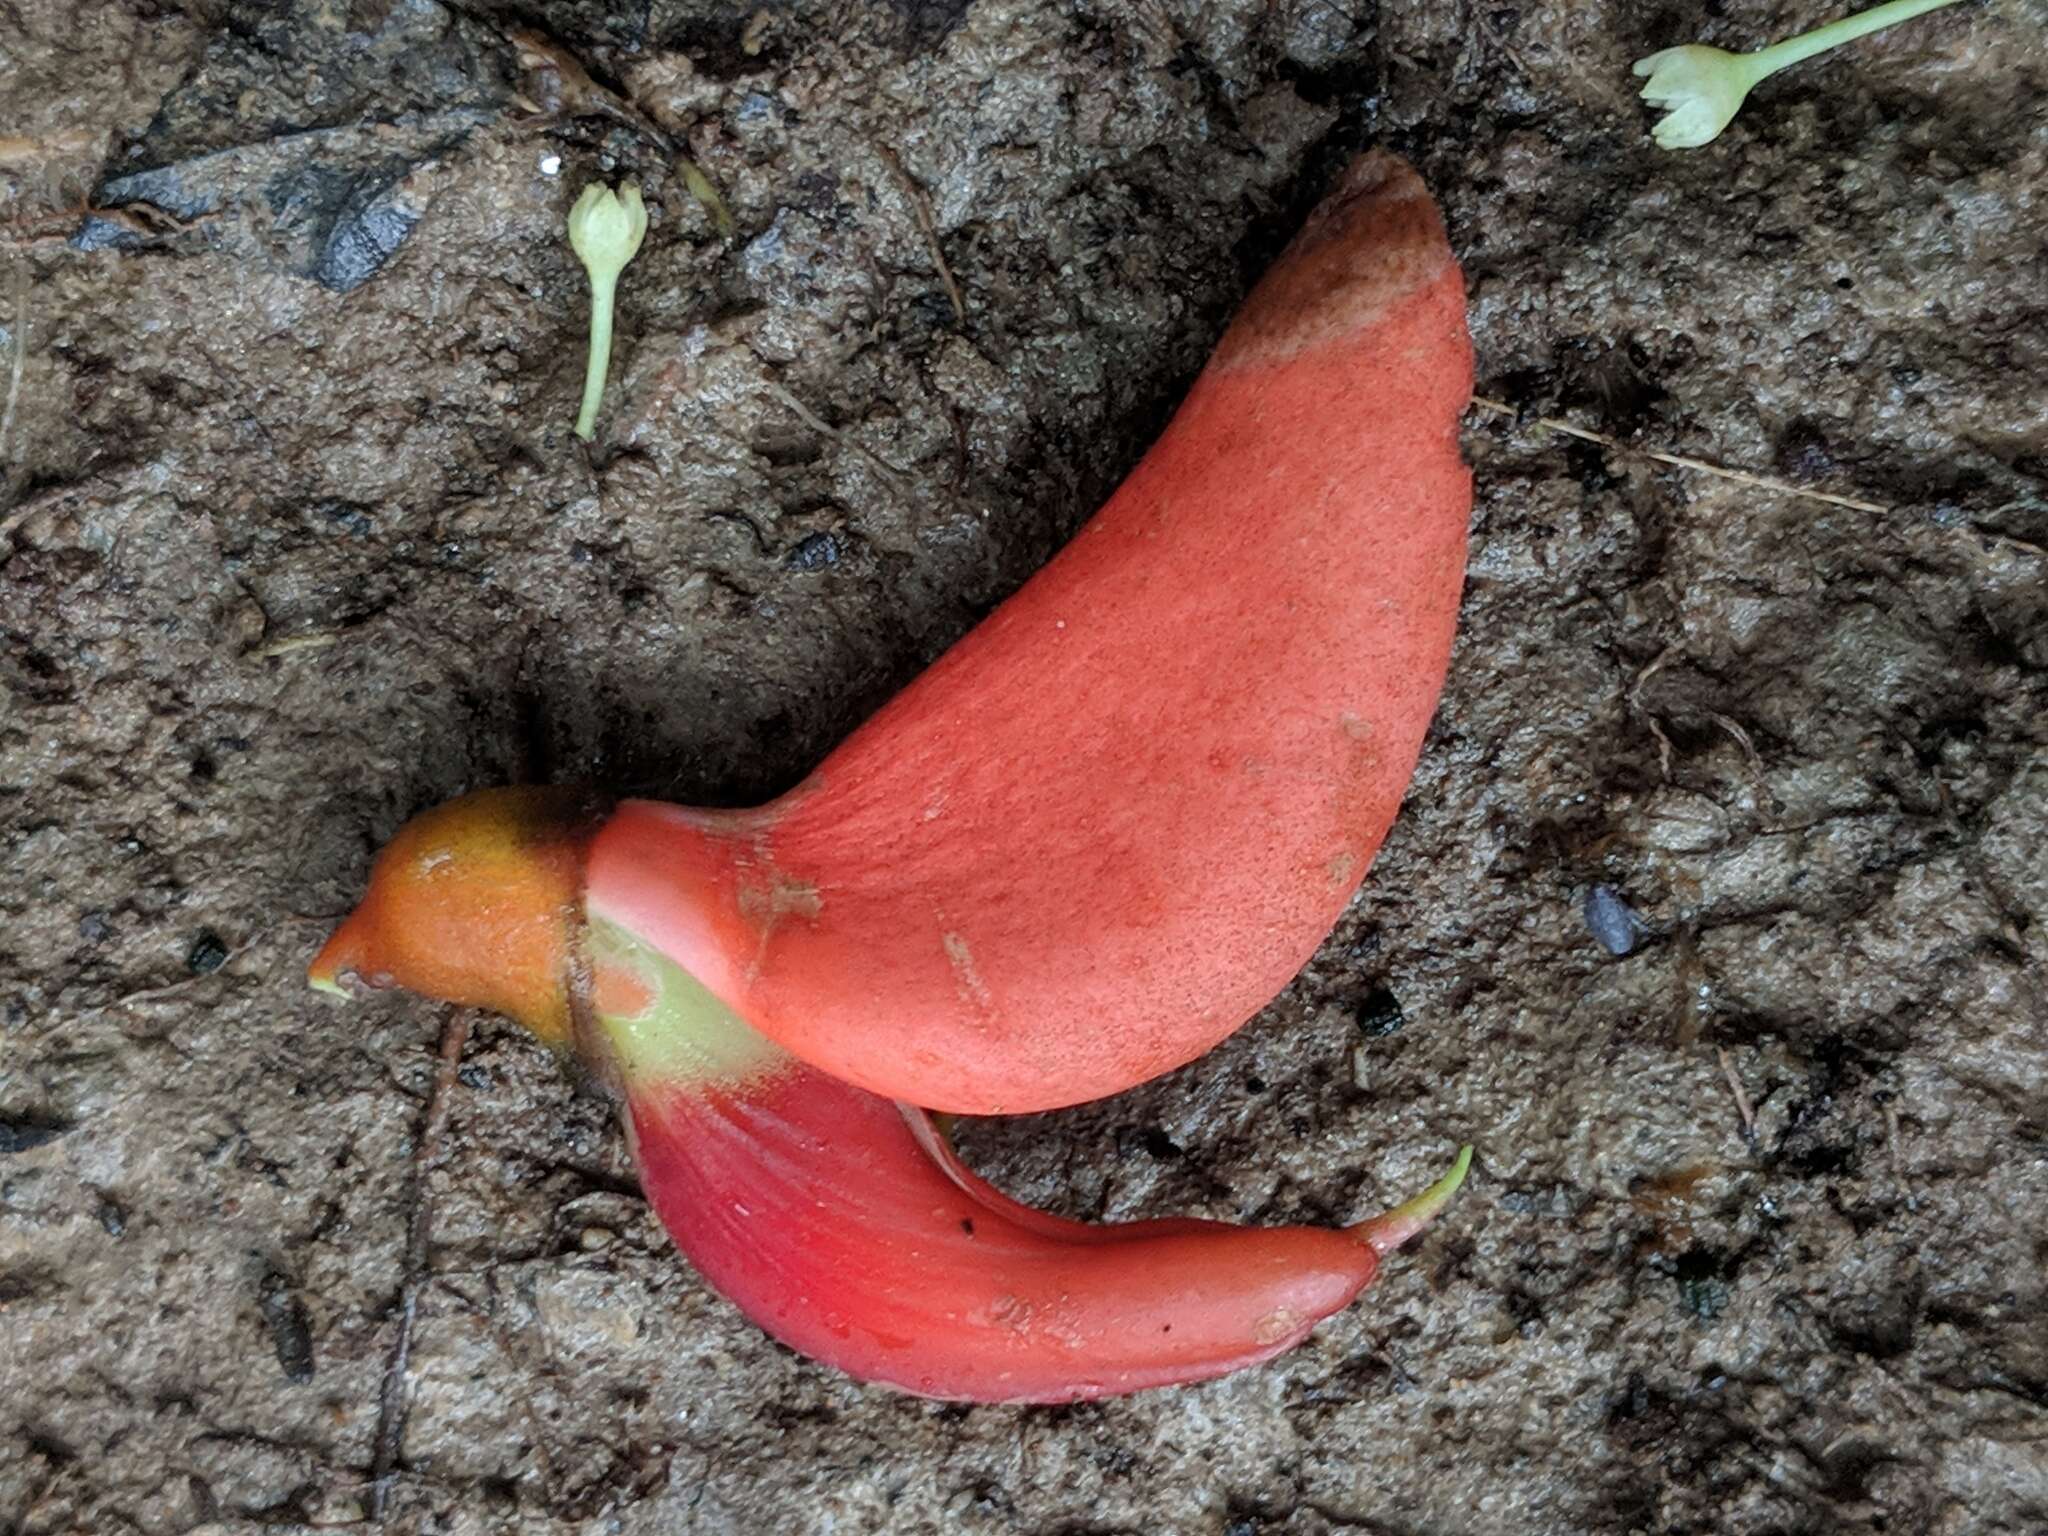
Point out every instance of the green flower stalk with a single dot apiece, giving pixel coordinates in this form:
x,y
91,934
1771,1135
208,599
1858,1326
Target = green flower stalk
x,y
1705,87
605,228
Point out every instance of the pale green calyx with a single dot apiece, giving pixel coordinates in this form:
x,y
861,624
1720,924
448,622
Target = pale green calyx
x,y
1702,88
661,1025
605,230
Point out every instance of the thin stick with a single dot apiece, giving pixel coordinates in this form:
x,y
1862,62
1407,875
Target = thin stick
x,y
391,1404
1679,460
817,423
16,369
310,640
1750,755
1742,1104
1635,698
921,205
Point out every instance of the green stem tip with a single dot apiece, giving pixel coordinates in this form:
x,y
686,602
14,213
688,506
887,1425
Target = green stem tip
x,y
1766,62
1388,1232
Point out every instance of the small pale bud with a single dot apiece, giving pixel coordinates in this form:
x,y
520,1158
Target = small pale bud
x,y
606,228
1702,88
605,231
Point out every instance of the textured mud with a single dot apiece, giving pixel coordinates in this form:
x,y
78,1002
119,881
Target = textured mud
x,y
296,541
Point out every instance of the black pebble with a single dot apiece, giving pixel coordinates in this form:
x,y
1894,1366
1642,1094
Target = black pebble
x,y
291,1335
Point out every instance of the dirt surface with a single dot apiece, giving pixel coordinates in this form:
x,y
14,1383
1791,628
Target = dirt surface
x,y
297,541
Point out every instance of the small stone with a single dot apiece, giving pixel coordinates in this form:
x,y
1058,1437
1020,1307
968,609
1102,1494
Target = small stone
x,y
1612,921
814,552
291,1331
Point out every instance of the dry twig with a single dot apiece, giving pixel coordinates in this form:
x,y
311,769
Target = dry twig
x,y
10,476
1635,698
1742,1105
391,1404
1678,460
921,205
1891,1134
817,423
309,640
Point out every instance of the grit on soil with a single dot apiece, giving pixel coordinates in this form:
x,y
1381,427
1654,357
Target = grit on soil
x,y
295,541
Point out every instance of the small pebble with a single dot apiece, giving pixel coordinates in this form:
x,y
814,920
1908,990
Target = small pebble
x,y
1612,921
291,1331
814,553
594,1238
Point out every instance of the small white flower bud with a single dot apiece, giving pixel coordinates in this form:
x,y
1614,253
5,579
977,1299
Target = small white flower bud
x,y
605,231
606,228
1704,87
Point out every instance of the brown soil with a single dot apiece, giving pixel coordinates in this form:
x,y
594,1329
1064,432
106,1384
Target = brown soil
x,y
296,541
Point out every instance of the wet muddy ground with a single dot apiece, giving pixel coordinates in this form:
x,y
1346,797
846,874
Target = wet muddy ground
x,y
297,541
